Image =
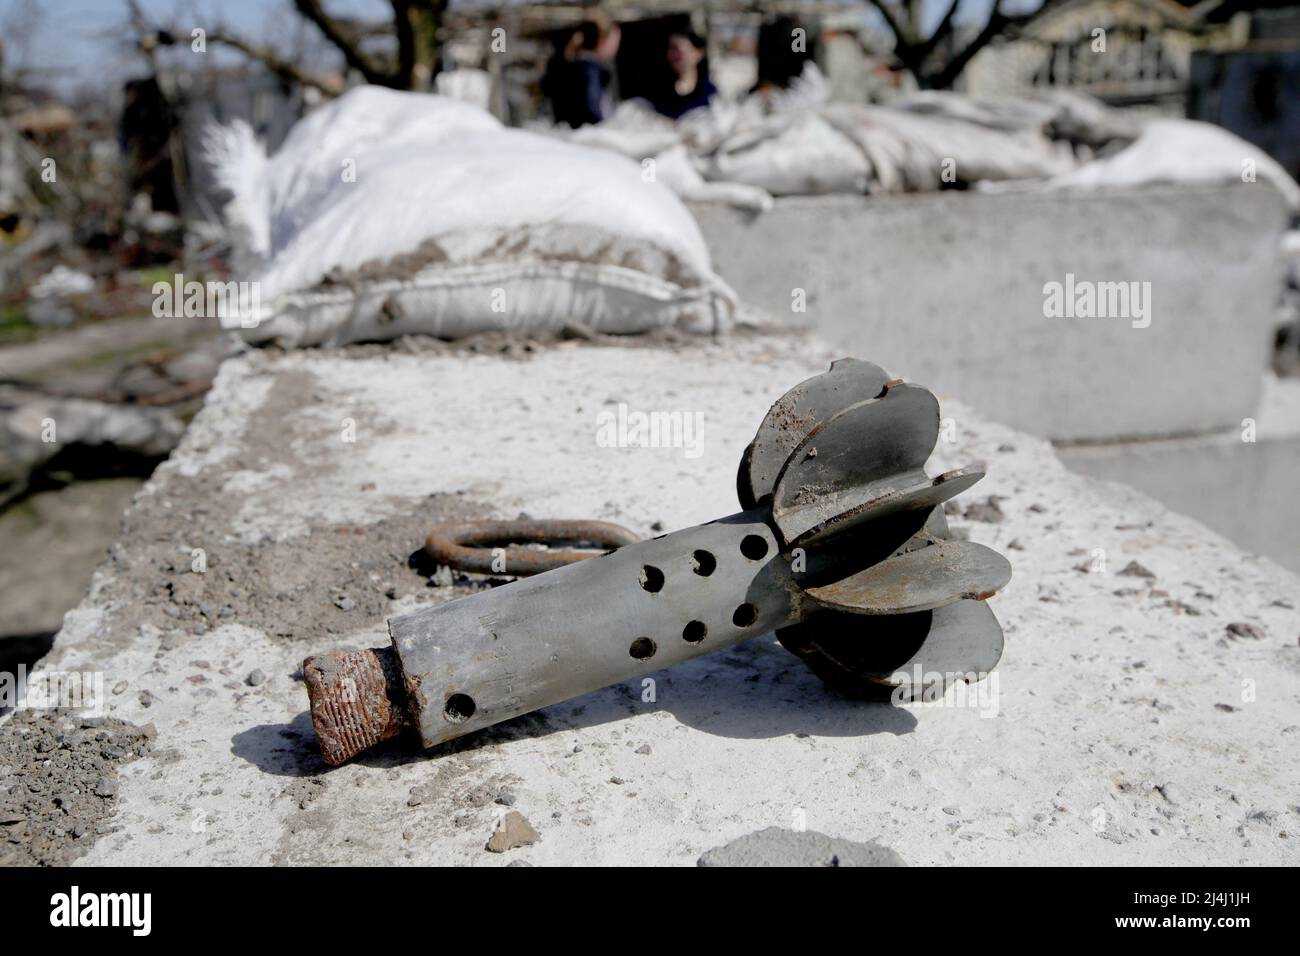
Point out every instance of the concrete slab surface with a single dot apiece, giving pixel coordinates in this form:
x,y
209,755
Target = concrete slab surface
x,y
1147,708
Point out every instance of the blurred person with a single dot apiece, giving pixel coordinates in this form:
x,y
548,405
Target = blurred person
x,y
788,76
783,51
579,73
689,87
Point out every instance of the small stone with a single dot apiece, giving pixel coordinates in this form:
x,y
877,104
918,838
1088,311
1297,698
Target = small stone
x,y
643,749
107,787
1245,629
119,688
442,578
777,847
506,799
513,831
1135,570
617,781
344,603
952,811
255,678
987,511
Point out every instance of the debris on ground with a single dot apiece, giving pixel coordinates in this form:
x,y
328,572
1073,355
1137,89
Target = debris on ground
x,y
1245,629
777,846
1135,570
58,783
512,832
987,511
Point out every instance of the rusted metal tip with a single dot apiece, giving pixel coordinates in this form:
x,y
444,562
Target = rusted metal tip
x,y
357,700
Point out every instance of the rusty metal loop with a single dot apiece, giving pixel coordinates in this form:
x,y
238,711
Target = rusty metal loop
x,y
472,545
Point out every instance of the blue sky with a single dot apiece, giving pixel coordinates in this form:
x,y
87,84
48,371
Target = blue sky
x,y
85,42
77,43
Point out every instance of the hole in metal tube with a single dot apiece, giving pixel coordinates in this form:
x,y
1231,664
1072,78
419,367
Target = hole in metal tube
x,y
703,563
460,708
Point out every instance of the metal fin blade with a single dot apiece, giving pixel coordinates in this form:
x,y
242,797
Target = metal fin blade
x,y
809,523
854,457
899,657
933,576
795,414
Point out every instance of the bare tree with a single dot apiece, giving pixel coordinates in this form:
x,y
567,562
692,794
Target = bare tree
x,y
411,64
937,60
18,32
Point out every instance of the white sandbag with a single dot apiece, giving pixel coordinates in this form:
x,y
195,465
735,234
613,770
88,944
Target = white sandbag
x,y
845,147
455,225
973,150
633,130
791,154
271,198
676,169
1182,151
659,144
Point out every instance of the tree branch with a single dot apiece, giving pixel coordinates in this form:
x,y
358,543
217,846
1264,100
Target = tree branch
x,y
940,32
405,37
334,31
904,42
275,62
997,24
901,35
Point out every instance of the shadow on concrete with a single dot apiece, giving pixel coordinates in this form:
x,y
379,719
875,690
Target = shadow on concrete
x,y
753,691
285,750
23,650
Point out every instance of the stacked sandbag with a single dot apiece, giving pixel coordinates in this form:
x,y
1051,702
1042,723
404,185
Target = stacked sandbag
x,y
853,148
1182,151
388,213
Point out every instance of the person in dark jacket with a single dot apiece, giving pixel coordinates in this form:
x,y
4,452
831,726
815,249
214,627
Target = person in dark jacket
x,y
690,87
579,73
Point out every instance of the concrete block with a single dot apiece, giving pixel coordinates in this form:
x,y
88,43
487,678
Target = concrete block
x,y
948,289
1117,729
1240,482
